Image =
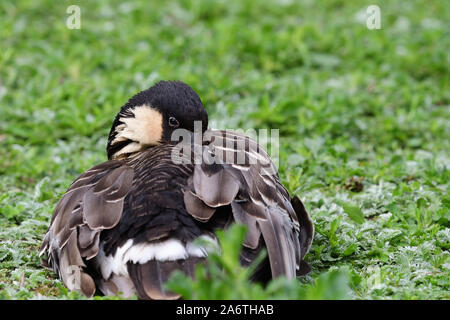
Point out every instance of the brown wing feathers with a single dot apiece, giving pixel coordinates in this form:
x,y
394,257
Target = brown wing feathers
x,y
216,189
93,202
258,200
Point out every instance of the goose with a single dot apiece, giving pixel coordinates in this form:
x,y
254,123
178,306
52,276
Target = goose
x,y
125,225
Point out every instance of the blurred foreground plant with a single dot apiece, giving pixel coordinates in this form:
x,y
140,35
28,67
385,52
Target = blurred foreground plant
x,y
224,278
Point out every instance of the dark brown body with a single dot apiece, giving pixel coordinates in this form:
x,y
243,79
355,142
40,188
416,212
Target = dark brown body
x,y
131,208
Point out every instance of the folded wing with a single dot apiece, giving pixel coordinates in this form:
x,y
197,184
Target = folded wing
x,y
93,202
235,171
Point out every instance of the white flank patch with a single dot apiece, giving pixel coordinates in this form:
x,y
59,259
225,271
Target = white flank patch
x,y
168,250
113,264
141,253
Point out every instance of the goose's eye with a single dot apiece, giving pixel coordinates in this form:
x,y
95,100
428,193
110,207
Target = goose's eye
x,y
173,122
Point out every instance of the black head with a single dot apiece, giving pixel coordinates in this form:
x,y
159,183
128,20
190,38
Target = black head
x,y
150,117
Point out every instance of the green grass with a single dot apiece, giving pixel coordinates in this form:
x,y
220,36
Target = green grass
x,y
364,122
